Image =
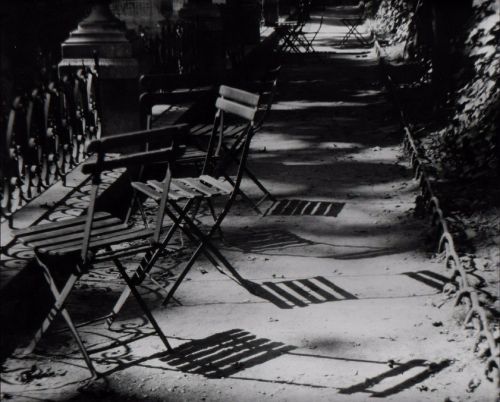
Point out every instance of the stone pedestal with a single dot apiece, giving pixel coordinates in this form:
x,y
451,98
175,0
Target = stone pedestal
x,y
101,33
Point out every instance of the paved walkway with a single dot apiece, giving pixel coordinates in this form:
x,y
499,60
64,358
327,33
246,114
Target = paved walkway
x,y
349,305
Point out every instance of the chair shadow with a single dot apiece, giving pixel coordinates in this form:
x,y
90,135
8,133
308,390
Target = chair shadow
x,y
275,241
265,240
296,207
429,278
299,292
429,369
225,353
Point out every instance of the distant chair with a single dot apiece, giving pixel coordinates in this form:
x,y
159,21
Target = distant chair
x,y
352,24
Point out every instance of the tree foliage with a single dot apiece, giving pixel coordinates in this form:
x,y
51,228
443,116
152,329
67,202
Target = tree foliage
x,y
466,144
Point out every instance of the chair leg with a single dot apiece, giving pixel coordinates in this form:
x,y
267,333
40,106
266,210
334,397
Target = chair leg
x,y
189,234
244,196
205,239
214,216
142,303
145,266
58,307
205,242
183,274
81,346
259,184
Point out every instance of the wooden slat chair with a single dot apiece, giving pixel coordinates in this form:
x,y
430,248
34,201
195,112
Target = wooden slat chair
x,y
161,93
201,132
291,31
352,23
73,246
267,88
207,186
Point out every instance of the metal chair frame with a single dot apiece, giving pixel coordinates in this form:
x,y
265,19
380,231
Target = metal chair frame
x,y
205,187
73,246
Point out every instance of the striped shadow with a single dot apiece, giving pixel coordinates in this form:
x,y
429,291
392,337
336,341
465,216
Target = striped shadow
x,y
299,292
304,208
225,353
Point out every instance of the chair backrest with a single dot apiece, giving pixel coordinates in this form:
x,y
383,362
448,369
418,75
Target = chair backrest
x,y
172,90
269,86
171,82
241,105
164,139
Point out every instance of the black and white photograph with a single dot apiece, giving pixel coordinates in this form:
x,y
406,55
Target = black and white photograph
x,y
249,200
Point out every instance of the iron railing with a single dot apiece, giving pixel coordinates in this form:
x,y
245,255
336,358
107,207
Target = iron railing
x,y
466,294
44,137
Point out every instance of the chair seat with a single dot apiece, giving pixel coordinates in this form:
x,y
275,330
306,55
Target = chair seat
x,y
230,130
192,154
186,188
65,237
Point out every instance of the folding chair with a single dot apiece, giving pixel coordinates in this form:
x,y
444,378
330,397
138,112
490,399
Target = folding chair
x,y
164,93
200,132
292,36
192,190
267,88
73,246
352,24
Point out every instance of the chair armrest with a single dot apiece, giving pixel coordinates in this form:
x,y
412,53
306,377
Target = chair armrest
x,y
166,134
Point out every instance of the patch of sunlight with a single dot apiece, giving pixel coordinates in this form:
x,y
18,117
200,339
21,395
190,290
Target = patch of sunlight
x,y
285,144
368,92
298,105
305,81
340,145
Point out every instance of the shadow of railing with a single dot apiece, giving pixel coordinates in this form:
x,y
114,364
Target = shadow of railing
x,y
428,369
304,208
429,278
299,292
225,353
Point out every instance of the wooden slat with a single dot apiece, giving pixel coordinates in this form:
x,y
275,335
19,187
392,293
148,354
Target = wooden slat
x,y
145,189
108,255
165,133
245,112
158,186
189,191
234,130
201,129
191,155
61,224
239,95
222,185
69,230
49,240
198,185
139,158
115,238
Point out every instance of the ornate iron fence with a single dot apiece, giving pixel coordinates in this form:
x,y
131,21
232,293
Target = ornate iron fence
x,y
44,136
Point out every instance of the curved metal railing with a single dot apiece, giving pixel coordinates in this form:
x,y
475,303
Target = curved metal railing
x,y
487,332
44,137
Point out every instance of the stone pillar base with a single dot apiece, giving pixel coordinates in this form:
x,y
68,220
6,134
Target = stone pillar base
x,y
102,34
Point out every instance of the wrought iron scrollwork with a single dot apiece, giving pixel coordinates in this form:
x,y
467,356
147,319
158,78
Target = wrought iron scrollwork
x,y
45,137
